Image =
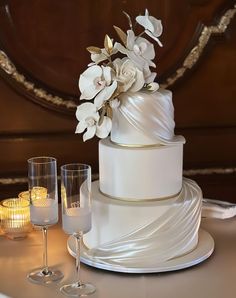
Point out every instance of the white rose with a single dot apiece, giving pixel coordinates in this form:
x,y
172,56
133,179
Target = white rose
x,y
152,26
128,76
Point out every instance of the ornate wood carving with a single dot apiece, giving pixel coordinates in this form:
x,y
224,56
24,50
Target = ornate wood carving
x,y
32,62
42,53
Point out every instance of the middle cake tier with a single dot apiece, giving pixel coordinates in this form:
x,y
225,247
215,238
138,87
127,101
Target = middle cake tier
x,y
140,173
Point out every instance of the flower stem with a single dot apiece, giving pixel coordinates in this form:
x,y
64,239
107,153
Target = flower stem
x,y
140,34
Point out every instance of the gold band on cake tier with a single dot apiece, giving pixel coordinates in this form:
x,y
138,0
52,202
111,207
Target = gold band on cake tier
x,y
175,140
136,145
140,200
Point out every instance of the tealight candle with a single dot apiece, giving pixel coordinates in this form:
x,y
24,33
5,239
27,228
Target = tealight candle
x,y
15,215
37,192
39,198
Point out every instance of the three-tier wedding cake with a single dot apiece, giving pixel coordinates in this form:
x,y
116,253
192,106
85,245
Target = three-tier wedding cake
x,y
144,212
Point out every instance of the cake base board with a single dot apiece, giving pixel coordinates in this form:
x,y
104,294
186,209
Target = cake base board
x,y
202,252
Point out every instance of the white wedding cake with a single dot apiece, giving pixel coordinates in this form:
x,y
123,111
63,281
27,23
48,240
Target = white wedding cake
x,y
144,212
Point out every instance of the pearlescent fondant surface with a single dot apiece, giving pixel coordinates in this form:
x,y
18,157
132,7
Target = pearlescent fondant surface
x,y
144,119
132,234
140,173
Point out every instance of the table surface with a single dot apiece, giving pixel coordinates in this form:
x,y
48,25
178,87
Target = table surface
x,y
215,277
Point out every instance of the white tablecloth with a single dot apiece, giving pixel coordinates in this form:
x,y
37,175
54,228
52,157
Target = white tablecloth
x,y
215,278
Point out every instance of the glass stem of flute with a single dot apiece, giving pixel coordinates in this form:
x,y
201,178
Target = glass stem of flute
x,y
45,250
78,237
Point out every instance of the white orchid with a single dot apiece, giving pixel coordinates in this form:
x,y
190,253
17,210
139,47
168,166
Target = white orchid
x,y
88,118
103,83
152,26
128,76
97,82
148,75
104,129
138,49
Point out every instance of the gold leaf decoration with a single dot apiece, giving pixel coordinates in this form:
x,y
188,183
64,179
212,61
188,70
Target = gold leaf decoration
x,y
122,35
102,116
109,112
94,50
108,45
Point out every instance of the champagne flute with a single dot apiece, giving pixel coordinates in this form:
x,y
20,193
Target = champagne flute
x,y
42,178
76,216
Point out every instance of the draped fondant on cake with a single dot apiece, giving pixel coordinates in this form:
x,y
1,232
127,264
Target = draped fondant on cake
x,y
174,231
145,119
143,209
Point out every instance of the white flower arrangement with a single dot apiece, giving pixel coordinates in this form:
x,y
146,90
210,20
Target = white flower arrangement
x,y
104,83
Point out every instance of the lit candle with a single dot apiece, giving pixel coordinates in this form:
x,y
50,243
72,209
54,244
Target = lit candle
x,y
37,192
15,215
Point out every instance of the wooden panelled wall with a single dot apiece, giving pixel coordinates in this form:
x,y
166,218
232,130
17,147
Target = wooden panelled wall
x,y
43,53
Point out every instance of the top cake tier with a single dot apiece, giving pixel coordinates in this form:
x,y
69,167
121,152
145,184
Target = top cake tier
x,y
144,118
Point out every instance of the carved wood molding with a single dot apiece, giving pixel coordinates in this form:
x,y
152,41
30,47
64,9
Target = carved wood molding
x,y
190,172
209,171
13,181
9,68
24,180
194,55
43,97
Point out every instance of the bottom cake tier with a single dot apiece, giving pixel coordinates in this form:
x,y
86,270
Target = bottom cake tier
x,y
137,233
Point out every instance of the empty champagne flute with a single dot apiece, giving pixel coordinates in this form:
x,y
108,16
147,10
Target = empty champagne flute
x,y
42,178
76,216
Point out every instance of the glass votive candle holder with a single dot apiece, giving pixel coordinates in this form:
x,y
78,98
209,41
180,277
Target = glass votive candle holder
x,y
37,192
15,213
24,195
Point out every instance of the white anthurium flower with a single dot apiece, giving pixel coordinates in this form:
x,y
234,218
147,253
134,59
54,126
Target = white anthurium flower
x,y
103,130
88,118
128,76
138,49
152,26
